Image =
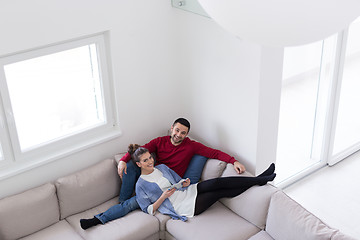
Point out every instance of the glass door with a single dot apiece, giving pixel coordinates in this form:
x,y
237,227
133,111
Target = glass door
x,y
319,120
347,122
299,96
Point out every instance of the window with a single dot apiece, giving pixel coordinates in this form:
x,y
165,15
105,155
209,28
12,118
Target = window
x,y
299,95
56,98
347,137
319,117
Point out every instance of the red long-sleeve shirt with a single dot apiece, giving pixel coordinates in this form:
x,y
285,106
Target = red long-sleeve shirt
x,y
178,157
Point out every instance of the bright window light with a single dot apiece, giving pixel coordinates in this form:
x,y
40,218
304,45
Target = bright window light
x,y
55,101
301,74
55,95
348,119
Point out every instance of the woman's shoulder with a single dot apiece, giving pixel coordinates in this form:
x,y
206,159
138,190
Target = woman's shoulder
x,y
139,182
162,167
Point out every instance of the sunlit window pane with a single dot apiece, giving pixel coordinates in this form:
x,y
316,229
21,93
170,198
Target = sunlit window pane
x,y
301,73
56,95
348,120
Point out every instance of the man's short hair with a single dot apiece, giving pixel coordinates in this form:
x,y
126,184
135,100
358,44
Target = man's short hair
x,y
184,122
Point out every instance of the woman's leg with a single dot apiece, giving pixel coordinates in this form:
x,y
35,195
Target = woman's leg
x,y
269,171
236,182
205,200
212,190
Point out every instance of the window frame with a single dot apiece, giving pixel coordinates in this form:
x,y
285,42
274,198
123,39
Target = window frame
x,y
15,160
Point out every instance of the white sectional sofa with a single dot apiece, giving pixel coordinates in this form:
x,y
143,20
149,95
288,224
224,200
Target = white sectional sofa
x,y
53,211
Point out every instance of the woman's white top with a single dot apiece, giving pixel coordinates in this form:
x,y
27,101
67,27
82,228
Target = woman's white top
x,y
182,201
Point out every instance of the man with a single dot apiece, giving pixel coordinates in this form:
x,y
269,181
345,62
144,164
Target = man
x,y
186,157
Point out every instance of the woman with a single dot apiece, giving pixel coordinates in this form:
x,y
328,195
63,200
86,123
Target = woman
x,y
162,189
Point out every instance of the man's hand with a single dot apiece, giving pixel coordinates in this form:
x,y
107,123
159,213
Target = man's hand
x,y
239,168
122,168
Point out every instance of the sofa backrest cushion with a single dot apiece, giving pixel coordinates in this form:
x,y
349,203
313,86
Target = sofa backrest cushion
x,y
213,169
28,212
289,220
118,156
88,188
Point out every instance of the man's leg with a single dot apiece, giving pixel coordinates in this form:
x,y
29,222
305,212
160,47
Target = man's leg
x,y
115,212
195,168
127,203
128,181
119,210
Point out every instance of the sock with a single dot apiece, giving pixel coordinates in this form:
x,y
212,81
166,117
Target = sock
x,y
272,177
269,171
267,179
87,223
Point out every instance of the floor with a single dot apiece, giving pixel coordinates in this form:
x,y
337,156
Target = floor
x,y
332,194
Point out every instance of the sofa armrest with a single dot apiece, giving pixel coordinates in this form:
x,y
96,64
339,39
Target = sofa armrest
x,y
289,220
253,204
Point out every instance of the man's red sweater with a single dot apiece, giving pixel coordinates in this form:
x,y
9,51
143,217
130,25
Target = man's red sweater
x,y
178,157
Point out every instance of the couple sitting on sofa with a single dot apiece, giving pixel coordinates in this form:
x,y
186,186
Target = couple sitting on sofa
x,y
161,188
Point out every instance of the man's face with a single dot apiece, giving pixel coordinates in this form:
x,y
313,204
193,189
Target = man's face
x,y
178,133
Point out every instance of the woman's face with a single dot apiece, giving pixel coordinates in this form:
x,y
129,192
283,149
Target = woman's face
x,y
146,162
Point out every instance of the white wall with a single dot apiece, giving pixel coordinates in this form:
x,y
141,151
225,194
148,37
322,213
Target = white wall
x,y
235,90
166,63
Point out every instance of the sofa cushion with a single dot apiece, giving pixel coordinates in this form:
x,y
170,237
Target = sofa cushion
x,y
230,171
135,225
262,235
218,222
60,230
28,212
118,156
162,223
213,169
88,188
340,236
253,204
289,220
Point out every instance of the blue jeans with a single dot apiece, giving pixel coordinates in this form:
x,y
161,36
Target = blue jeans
x,y
128,204
195,168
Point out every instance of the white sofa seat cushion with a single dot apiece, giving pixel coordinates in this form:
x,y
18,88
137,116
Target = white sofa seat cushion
x,y
61,231
28,212
218,222
162,222
135,225
289,220
88,188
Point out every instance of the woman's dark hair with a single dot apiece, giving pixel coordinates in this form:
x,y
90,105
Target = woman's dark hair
x,y
136,151
184,122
